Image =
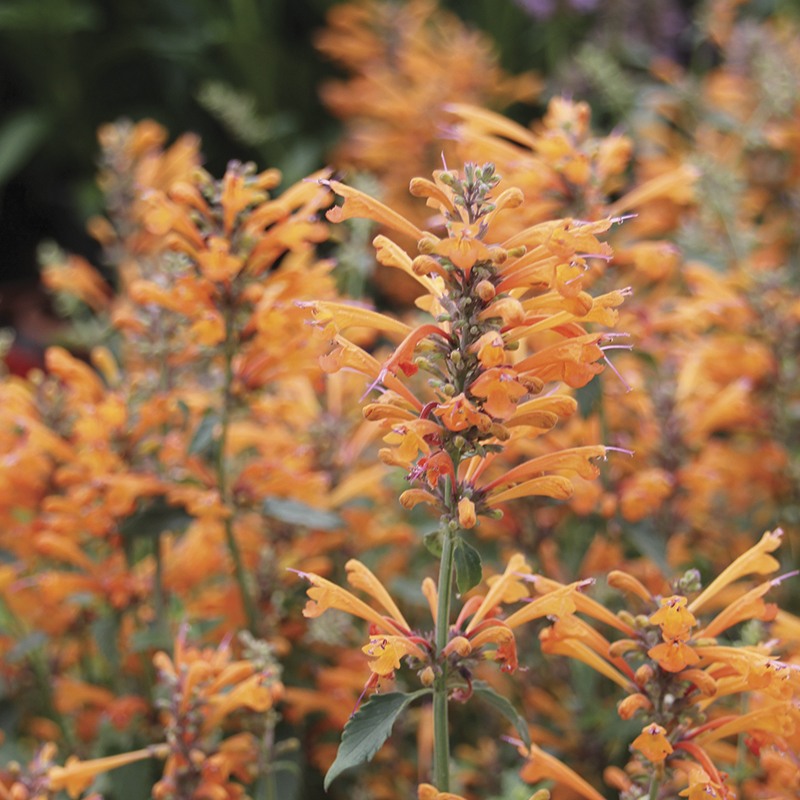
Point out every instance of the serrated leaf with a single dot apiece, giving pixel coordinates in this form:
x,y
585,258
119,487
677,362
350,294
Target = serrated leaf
x,y
367,730
505,707
296,513
468,566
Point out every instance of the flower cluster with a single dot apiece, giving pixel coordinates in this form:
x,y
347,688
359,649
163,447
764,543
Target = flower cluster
x,y
204,687
478,633
394,100
697,682
508,318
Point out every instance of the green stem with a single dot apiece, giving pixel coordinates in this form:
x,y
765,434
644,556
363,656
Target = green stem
x,y
229,350
441,732
269,786
655,784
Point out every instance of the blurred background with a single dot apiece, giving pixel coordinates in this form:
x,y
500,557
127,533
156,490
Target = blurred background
x,y
246,75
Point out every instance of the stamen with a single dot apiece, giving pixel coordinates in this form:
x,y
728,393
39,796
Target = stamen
x,y
619,450
374,385
628,387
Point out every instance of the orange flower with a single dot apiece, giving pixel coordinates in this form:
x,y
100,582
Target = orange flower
x,y
76,776
673,655
756,560
459,414
540,765
674,619
479,392
501,389
478,629
652,742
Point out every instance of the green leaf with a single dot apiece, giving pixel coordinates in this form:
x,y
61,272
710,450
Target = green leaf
x,y
433,542
367,730
505,707
589,397
126,782
296,513
203,440
154,519
20,137
468,566
156,638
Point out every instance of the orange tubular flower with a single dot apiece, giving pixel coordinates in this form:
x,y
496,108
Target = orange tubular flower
x,y
478,632
487,296
392,99
205,686
690,687
652,742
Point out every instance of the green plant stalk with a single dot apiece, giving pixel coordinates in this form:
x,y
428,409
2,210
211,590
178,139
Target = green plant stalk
x,y
441,731
268,785
222,478
655,783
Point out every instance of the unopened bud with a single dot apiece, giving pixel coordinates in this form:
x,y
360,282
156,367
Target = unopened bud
x,y
427,676
466,513
485,290
631,704
427,244
458,644
499,255
425,264
644,675
500,432
621,646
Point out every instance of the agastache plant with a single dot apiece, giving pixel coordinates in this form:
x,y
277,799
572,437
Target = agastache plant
x,y
508,318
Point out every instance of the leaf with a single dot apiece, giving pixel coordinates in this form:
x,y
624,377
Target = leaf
x,y
296,513
505,707
20,137
468,566
126,782
433,542
155,638
589,397
203,440
154,519
367,730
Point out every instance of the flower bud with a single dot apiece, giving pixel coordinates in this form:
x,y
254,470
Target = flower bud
x,y
427,676
631,704
485,290
466,513
644,675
